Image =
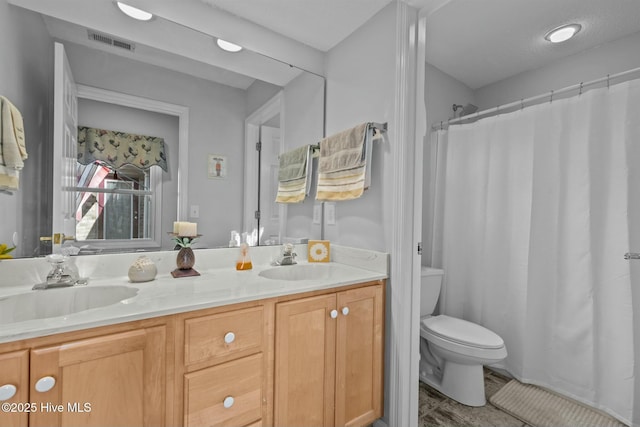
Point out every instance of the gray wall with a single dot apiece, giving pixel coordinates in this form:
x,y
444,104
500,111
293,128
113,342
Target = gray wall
x,y
258,93
26,80
360,88
361,76
303,124
441,92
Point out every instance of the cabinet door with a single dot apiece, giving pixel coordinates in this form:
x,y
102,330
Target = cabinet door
x,y
305,362
359,356
14,376
111,380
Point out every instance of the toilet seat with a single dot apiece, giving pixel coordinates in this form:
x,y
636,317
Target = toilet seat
x,y
461,332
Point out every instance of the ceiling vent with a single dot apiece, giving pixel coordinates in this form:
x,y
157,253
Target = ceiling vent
x,y
111,41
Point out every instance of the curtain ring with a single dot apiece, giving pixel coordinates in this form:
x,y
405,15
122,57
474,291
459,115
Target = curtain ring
x,y
441,125
551,97
580,93
607,81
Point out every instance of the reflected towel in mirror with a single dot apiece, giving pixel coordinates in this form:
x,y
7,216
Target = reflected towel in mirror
x,y
292,175
13,149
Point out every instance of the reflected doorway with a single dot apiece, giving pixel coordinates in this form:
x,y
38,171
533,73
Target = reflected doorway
x,y
264,219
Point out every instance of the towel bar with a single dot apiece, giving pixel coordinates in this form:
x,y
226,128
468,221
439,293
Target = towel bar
x,y
382,127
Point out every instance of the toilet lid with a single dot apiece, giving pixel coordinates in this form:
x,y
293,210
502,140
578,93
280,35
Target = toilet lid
x,y
462,331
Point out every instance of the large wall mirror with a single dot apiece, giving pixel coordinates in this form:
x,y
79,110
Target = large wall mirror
x,y
166,80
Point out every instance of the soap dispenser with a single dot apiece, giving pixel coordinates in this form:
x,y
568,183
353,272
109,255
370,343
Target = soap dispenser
x,y
244,260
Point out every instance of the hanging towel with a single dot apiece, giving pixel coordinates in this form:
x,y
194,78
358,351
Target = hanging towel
x,y
9,179
342,167
13,149
292,175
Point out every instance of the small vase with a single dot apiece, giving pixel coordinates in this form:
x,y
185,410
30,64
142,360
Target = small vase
x,y
185,259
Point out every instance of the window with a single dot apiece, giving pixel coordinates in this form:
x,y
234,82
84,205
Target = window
x,y
118,209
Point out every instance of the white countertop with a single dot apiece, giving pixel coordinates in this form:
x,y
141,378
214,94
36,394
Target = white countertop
x,y
218,285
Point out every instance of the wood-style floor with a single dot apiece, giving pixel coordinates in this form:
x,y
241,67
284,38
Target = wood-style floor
x,y
435,409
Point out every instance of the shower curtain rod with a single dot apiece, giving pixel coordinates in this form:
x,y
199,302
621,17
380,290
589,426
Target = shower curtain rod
x,y
496,110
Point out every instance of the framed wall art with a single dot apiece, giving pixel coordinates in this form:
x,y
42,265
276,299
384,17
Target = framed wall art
x,y
217,167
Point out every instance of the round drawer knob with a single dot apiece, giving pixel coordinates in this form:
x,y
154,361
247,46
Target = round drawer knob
x,y
334,314
45,384
228,402
7,391
345,310
229,337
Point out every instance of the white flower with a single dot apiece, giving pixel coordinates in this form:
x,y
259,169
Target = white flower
x,y
318,252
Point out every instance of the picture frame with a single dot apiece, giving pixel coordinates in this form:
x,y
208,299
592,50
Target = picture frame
x,y
217,166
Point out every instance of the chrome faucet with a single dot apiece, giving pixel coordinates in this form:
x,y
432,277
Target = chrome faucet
x,y
287,255
61,274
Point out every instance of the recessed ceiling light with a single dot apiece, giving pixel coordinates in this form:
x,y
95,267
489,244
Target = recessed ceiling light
x,y
228,46
134,12
563,33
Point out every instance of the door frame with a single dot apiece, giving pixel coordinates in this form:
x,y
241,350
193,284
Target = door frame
x,y
263,114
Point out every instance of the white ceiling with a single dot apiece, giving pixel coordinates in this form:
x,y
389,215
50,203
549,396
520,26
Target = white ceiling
x,y
478,42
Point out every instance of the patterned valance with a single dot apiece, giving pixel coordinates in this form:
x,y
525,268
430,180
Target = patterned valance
x,y
120,148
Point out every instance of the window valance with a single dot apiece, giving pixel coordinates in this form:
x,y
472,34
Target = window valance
x,y
120,148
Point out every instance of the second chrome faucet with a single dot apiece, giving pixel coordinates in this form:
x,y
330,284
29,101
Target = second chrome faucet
x,y
287,255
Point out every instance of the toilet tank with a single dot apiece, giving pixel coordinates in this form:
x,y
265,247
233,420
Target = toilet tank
x,y
431,284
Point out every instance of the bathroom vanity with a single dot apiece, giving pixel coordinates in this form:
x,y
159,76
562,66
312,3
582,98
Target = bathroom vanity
x,y
226,348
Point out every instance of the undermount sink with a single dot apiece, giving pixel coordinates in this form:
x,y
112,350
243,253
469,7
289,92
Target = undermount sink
x,y
300,272
59,302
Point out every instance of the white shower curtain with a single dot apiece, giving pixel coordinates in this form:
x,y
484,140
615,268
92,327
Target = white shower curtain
x,y
532,220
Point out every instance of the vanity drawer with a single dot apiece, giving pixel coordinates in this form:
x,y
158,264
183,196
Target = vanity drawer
x,y
229,394
218,336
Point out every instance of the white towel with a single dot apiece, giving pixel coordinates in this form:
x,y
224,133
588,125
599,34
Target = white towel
x,y
13,149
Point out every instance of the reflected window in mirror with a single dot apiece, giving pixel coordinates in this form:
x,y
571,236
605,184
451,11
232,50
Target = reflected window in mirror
x,y
116,204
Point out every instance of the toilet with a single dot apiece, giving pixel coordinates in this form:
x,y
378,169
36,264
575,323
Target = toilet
x,y
453,351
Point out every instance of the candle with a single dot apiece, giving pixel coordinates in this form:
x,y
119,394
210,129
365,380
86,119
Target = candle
x,y
186,229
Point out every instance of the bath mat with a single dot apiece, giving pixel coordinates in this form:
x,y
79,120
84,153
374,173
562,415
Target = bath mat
x,y
541,408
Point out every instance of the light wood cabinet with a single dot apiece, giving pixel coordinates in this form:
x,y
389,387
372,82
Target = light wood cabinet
x,y
360,356
329,356
305,362
14,379
76,379
112,380
224,368
217,337
229,394
310,359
